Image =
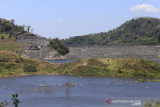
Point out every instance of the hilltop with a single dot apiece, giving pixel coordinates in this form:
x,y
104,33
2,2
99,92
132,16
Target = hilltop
x,y
138,31
8,28
19,38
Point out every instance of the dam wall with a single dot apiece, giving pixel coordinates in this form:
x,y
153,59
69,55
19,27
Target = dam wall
x,y
142,52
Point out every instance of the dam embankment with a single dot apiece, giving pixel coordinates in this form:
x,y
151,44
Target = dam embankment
x,y
142,52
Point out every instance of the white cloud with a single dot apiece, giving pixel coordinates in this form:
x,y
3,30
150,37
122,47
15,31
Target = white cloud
x,y
60,20
144,8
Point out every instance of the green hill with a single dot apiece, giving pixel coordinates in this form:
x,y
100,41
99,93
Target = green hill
x,y
9,29
139,31
9,32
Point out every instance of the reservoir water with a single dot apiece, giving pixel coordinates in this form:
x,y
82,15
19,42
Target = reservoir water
x,y
61,61
52,91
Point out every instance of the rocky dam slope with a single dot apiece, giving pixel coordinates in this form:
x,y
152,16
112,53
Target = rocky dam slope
x,y
142,52
37,47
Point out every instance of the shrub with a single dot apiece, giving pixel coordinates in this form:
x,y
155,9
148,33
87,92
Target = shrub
x,y
59,46
4,104
148,103
95,62
29,68
119,70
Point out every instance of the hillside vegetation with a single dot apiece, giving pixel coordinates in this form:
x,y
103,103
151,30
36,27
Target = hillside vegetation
x,y
8,29
9,32
139,31
112,67
12,65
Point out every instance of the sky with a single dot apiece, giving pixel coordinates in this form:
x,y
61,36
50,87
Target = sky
x,y
66,18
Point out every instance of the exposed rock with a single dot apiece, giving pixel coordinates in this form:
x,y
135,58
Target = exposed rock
x,y
142,52
37,47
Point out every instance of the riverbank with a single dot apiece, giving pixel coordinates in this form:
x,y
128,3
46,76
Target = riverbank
x,y
13,65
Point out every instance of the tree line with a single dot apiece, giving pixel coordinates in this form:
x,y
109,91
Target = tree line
x,y
137,31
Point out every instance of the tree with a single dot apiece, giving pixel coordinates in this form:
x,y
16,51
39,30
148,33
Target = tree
x,y
59,46
28,28
12,21
15,100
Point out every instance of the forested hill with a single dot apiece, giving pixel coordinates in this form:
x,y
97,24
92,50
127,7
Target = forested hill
x,y
7,27
139,31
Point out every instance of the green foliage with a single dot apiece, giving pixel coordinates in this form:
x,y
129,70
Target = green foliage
x,y
10,34
29,67
119,70
142,69
19,53
9,44
15,100
8,27
4,104
148,103
140,31
88,67
59,46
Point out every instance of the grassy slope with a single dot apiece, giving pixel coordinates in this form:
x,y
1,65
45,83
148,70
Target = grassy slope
x,y
11,65
10,45
112,67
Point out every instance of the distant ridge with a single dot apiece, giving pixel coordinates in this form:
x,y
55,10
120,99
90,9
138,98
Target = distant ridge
x,y
137,31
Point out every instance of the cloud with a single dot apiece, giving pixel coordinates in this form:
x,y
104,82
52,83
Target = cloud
x,y
144,8
59,20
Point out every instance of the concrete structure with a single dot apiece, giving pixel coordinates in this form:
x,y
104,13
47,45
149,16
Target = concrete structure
x,y
37,47
32,39
143,52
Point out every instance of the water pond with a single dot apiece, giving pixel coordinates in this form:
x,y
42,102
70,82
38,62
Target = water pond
x,y
71,91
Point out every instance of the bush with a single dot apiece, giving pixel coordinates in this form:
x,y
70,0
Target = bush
x,y
95,62
59,46
148,103
4,104
29,68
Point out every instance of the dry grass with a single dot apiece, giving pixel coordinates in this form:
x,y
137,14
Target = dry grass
x,y
10,45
